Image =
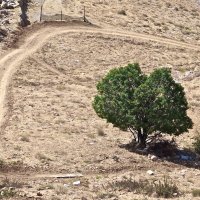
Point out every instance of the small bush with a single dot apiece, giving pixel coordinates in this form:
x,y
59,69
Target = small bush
x,y
60,189
165,188
7,193
43,158
196,193
196,143
130,185
106,196
8,186
10,183
100,131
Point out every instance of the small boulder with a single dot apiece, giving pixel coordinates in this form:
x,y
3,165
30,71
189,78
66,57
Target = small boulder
x,y
150,172
152,157
3,5
76,183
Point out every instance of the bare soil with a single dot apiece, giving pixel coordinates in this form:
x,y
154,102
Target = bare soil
x,y
48,125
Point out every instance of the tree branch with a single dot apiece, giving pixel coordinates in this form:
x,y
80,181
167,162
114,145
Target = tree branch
x,y
133,131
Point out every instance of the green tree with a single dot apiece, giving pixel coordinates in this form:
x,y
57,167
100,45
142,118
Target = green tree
x,y
130,100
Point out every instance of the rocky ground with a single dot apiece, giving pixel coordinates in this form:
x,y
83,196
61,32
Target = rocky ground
x,y
9,18
50,105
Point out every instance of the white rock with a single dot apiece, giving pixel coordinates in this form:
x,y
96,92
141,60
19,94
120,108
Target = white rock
x,y
183,172
150,172
3,4
154,158
66,185
76,183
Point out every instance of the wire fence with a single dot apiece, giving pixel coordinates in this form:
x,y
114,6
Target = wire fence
x,y
61,17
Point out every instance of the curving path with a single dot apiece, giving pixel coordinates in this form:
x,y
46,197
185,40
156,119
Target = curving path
x,y
11,60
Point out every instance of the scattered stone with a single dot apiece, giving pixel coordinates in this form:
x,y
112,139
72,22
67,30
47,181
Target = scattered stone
x,y
9,4
4,12
76,183
190,75
152,157
66,185
6,21
3,32
150,172
116,158
183,172
39,194
3,5
155,195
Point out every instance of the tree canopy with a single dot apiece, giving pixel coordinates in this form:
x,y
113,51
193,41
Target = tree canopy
x,y
129,99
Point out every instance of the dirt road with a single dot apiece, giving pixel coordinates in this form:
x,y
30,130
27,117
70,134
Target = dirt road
x,y
11,60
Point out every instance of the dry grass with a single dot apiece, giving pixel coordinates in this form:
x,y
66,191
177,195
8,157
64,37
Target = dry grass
x,y
167,18
164,188
55,110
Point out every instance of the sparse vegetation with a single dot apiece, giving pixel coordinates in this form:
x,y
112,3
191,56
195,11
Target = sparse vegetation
x,y
7,193
8,188
10,166
54,69
106,195
130,100
100,131
165,188
196,193
196,143
6,182
60,189
43,158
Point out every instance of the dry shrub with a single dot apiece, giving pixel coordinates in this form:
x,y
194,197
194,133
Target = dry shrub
x,y
100,131
196,193
165,188
196,143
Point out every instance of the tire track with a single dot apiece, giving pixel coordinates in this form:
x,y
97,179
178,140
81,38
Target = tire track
x,y
11,60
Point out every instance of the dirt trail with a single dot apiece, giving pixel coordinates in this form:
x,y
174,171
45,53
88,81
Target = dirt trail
x,y
9,62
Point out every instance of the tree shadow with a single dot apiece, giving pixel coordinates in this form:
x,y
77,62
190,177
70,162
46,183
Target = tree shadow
x,y
168,151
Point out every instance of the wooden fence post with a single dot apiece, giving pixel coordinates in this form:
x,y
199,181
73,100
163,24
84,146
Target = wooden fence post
x,y
61,15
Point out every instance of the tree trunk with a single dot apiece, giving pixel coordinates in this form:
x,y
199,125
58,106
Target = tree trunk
x,y
141,138
24,21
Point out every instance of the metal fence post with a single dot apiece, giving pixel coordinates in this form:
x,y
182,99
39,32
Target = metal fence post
x,y
61,15
41,12
84,17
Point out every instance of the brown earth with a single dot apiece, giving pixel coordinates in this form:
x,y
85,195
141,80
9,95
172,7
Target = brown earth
x,y
49,126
